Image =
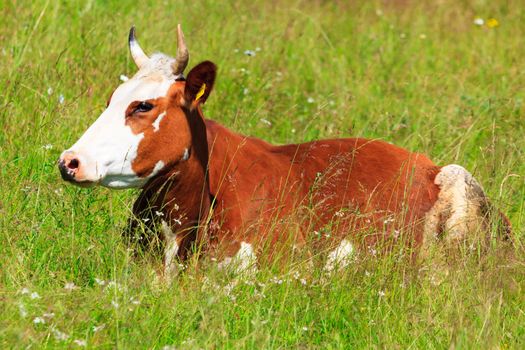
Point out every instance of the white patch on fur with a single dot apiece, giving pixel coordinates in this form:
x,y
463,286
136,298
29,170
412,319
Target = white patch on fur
x,y
459,201
158,167
186,154
244,260
171,249
156,123
340,257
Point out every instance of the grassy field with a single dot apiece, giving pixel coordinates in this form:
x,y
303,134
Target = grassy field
x,y
424,77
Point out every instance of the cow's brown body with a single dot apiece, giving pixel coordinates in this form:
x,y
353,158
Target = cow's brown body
x,y
241,189
232,188
368,188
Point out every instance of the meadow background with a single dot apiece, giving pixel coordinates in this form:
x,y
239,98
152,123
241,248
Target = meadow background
x,y
425,75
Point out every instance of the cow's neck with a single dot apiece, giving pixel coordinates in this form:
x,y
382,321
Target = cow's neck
x,y
180,195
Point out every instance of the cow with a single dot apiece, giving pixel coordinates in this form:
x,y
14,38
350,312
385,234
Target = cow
x,y
230,195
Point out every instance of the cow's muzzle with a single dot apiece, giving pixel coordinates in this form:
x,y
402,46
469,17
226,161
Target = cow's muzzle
x,y
69,166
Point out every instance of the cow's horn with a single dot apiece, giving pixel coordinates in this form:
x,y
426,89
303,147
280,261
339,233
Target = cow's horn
x,y
181,61
137,53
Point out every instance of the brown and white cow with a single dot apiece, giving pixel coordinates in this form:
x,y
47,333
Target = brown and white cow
x,y
231,194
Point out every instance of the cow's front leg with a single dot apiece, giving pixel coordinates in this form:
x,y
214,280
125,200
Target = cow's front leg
x,y
240,260
171,250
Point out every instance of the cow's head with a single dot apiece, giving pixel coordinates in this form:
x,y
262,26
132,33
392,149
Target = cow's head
x,y
144,128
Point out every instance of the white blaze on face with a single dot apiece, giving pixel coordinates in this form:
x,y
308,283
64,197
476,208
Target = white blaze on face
x,y
107,149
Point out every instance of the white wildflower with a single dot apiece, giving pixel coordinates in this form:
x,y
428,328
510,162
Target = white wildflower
x,y
70,286
39,320
114,304
381,293
24,291
159,213
99,281
303,281
310,100
305,328
388,220
99,328
123,78
34,296
61,99
145,219
276,280
80,342
113,284
372,251
22,309
367,274
49,90
134,301
479,21
245,91
397,233
258,294
266,121
60,336
249,53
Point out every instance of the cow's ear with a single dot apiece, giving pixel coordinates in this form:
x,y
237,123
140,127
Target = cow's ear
x,y
199,83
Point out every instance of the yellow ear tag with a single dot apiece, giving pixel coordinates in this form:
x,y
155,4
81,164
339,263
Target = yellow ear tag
x,y
201,92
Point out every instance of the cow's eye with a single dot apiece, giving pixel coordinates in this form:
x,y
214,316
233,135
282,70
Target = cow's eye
x,y
143,107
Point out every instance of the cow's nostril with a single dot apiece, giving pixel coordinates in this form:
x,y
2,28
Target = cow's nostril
x,y
73,164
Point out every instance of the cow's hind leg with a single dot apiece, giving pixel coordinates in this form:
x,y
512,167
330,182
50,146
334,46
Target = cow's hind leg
x,y
462,209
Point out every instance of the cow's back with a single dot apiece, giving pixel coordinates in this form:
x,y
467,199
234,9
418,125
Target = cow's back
x,y
367,187
359,187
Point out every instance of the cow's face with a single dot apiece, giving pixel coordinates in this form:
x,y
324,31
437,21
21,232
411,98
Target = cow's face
x,y
143,129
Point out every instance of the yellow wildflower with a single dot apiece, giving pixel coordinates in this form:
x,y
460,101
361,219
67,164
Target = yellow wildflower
x,y
492,23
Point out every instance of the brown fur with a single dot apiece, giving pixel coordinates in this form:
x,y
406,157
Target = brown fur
x,y
235,188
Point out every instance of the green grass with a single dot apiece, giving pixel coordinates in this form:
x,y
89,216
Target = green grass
x,y
421,76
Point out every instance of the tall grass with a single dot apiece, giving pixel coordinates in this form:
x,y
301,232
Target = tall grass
x,y
422,76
